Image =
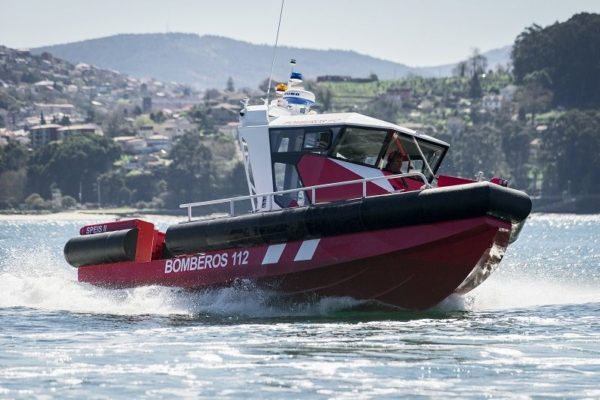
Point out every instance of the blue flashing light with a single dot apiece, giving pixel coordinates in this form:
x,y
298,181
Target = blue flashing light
x,y
296,75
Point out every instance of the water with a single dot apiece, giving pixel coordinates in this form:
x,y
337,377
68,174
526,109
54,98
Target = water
x,y
531,330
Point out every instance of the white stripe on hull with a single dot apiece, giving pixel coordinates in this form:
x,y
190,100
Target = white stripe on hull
x,y
307,250
273,254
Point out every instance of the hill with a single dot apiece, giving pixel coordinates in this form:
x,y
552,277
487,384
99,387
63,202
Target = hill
x,y
208,61
32,84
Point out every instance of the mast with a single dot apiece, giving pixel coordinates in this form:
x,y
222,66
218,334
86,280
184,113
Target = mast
x,y
274,52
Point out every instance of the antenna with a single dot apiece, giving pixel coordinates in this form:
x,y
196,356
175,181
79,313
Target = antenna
x,y
274,52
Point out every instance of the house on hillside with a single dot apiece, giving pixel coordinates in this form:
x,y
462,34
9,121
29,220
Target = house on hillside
x,y
157,143
146,130
224,113
334,78
70,130
164,102
491,102
50,109
41,135
174,127
132,144
214,97
43,86
346,78
398,95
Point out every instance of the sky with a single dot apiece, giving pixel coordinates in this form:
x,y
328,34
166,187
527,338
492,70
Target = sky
x,y
412,32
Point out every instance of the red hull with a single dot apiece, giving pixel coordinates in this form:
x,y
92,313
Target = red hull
x,y
411,267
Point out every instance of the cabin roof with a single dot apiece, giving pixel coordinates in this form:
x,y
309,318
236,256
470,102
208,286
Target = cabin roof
x,y
345,119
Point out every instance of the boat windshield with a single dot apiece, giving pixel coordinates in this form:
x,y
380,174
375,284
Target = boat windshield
x,y
360,145
388,150
402,155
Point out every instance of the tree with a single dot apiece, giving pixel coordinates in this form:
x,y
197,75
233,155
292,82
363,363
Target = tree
x,y
202,116
461,69
264,85
479,149
36,202
475,91
230,87
68,202
323,96
115,124
477,63
143,185
13,157
571,154
534,96
12,187
110,185
13,161
158,117
568,53
190,175
516,139
65,120
73,163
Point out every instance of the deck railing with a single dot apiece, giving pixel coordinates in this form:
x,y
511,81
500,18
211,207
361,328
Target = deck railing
x,y
312,189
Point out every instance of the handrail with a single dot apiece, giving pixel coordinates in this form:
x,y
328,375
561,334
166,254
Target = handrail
x,y
312,189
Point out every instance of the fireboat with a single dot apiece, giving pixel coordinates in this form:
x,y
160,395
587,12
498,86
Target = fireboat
x,y
342,205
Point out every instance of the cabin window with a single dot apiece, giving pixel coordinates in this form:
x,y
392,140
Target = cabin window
x,y
360,145
317,140
286,140
402,155
433,155
295,140
287,147
286,177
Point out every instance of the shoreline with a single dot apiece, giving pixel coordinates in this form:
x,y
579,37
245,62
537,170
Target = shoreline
x,y
91,215
115,215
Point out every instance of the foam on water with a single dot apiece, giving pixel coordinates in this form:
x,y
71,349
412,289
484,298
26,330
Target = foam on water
x,y
37,277
43,281
523,292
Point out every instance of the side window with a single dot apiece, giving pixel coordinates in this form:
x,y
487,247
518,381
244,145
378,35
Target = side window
x,y
287,148
360,145
318,140
286,140
286,177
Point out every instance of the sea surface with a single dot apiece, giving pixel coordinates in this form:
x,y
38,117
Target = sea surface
x,y
530,331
